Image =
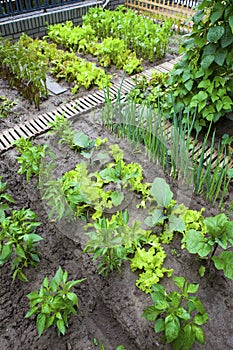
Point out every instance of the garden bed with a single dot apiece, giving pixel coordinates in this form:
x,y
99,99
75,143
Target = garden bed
x,y
110,308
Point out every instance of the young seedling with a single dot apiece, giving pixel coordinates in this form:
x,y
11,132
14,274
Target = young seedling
x,y
177,314
54,302
19,240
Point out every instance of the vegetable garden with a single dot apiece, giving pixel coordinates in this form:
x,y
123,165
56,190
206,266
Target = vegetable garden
x,y
116,228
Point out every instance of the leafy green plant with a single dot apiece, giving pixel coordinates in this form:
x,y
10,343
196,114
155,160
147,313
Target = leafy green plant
x,y
114,240
107,242
218,232
5,199
177,314
30,157
54,302
23,69
6,106
165,214
202,80
150,262
146,38
19,240
77,140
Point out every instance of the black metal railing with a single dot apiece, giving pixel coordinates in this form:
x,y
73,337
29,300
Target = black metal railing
x,y
16,7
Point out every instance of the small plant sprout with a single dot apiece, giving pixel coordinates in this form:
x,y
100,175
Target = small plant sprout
x,y
177,314
54,302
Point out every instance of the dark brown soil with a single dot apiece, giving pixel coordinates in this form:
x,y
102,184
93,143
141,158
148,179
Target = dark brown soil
x,y
110,307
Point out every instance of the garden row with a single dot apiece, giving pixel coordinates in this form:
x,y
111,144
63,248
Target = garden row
x,y
25,63
113,238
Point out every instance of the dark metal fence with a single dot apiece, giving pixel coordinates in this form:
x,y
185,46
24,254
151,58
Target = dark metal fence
x,y
16,7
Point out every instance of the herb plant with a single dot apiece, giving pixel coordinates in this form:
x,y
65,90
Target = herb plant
x,y
177,314
54,302
19,240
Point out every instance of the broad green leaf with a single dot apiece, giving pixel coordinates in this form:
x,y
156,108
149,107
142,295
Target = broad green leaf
x,y
215,33
193,288
40,323
176,224
161,304
206,61
45,309
200,319
73,297
6,253
196,243
179,282
182,313
110,175
199,334
231,23
220,56
159,325
161,192
80,139
189,337
156,217
58,276
217,12
201,271
227,38
189,85
117,198
61,326
215,225
150,313
33,295
224,262
172,328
